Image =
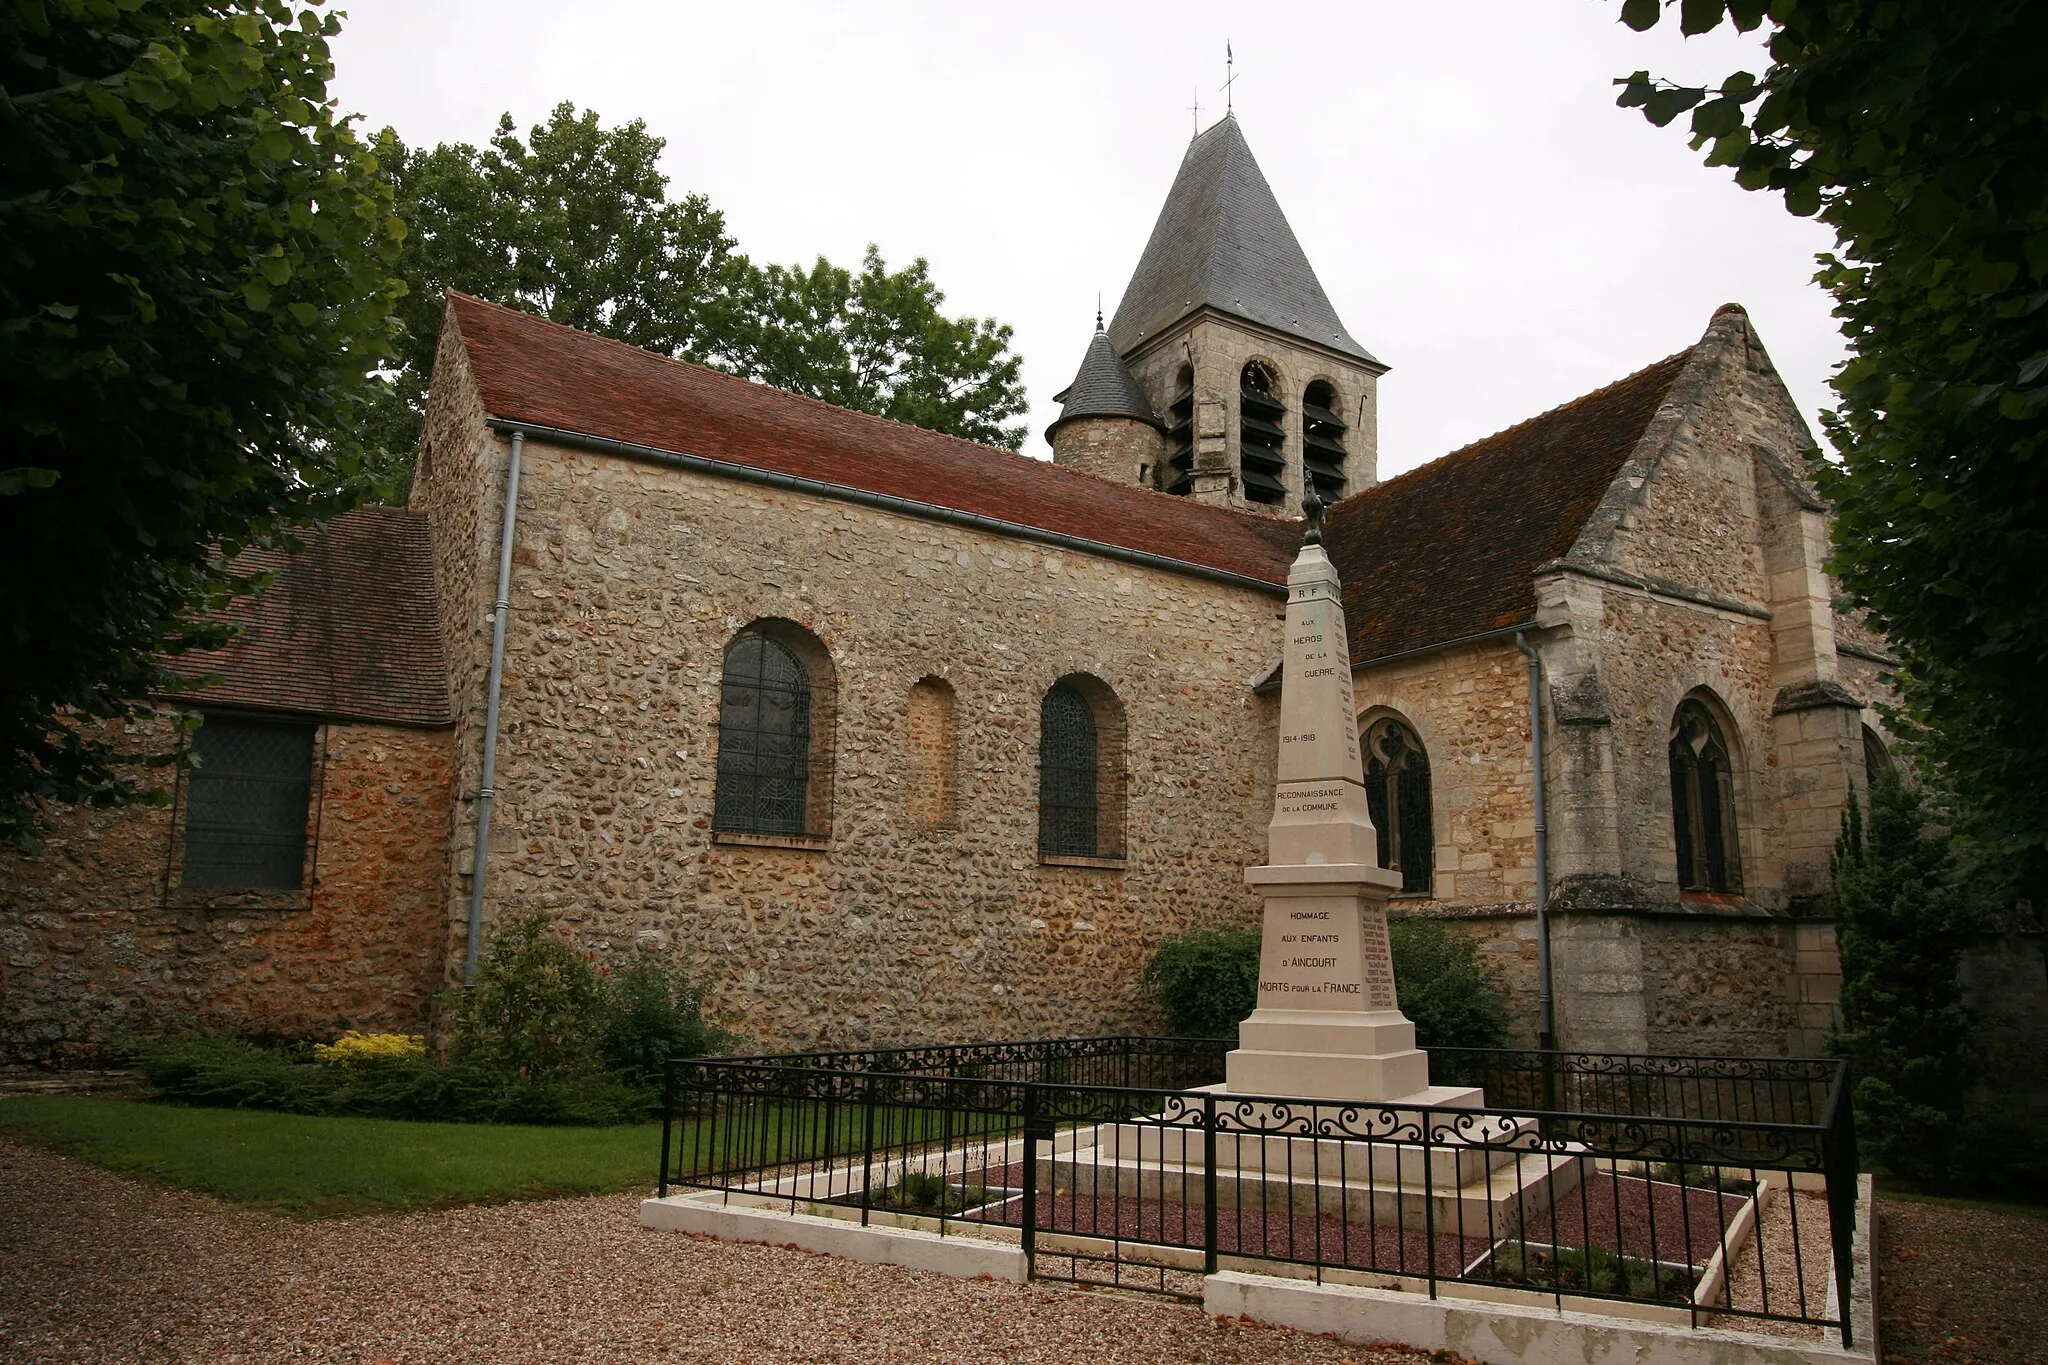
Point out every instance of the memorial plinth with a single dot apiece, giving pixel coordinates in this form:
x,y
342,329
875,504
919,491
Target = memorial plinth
x,y
1328,1023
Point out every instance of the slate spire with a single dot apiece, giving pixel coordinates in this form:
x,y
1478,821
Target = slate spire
x,y
1103,387
1222,242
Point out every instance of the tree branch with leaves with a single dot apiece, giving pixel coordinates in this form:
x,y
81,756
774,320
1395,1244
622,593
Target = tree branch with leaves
x,y
1918,131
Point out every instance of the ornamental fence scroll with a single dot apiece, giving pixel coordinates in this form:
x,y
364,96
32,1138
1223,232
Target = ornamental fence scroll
x,y
1727,1197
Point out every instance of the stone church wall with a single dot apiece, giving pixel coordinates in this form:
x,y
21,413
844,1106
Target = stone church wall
x,y
632,578
94,948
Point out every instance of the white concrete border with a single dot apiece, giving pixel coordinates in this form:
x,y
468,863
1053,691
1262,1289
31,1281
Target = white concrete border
x,y
1502,1333
1492,1330
711,1215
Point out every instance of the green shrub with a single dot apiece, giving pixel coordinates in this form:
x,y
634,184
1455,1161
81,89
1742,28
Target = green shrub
x,y
228,1073
1900,919
536,1008
651,1015
544,1036
1208,981
1454,999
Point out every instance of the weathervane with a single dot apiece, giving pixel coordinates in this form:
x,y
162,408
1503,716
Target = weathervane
x,y
1230,70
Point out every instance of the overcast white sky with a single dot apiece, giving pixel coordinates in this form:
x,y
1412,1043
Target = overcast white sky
x,y
1483,217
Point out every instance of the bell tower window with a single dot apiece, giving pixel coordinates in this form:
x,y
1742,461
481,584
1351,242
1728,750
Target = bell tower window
x,y
1322,442
1261,435
1178,474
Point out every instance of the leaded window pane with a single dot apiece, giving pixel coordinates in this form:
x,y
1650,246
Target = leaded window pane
x,y
1068,798
246,804
1397,796
1703,803
764,739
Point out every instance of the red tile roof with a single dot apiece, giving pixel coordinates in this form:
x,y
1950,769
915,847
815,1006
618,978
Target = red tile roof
x,y
531,370
1450,550
348,630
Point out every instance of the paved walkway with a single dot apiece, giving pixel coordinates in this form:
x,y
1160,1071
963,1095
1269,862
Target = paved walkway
x,y
97,1267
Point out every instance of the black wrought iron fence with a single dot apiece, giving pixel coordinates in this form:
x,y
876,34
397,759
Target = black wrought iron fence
x,y
1696,1207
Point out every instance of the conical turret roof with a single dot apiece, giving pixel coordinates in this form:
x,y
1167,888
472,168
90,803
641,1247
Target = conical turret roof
x,y
1222,242
1102,388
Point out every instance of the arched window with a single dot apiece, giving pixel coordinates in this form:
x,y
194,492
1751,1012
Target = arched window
x,y
1397,796
1703,802
1080,770
1178,473
1876,758
1261,434
774,733
1322,442
931,752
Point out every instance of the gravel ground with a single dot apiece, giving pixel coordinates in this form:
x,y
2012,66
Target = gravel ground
x,y
1960,1285
96,1267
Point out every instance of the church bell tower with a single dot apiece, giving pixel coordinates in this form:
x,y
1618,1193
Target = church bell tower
x,y
1226,354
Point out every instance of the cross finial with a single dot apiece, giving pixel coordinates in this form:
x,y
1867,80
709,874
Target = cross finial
x,y
1230,74
1196,110
1312,507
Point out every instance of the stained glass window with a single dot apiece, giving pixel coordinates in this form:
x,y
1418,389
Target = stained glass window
x,y
246,804
1703,803
1397,796
1069,806
764,739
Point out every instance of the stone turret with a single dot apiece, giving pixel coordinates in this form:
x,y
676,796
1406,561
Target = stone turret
x,y
1106,426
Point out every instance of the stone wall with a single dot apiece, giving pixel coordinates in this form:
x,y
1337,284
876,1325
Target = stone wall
x,y
96,947
1470,708
1220,347
1120,449
632,578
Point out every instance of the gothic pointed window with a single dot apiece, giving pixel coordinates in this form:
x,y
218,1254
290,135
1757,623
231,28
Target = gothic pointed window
x,y
1080,770
1261,433
1877,760
774,730
1703,802
1397,796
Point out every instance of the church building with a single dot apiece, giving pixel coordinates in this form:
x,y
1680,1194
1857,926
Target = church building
x,y
892,737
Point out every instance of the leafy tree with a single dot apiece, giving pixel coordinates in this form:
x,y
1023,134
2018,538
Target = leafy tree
x,y
1917,131
1900,920
878,342
194,282
575,224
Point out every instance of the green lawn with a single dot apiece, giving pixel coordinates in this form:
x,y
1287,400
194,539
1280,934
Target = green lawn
x,y
335,1165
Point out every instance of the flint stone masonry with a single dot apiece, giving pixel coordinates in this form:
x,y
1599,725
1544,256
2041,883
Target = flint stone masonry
x,y
1120,449
630,580
97,948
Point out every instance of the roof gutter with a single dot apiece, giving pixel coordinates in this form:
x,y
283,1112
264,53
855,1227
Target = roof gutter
x,y
1546,1024
796,483
487,788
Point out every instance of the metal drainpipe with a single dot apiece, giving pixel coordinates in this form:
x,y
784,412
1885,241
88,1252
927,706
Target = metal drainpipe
x,y
1546,1033
487,790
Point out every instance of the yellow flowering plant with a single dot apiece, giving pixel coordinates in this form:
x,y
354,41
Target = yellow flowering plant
x,y
354,1046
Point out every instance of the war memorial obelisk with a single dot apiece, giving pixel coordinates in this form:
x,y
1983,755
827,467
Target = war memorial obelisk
x,y
1328,1025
